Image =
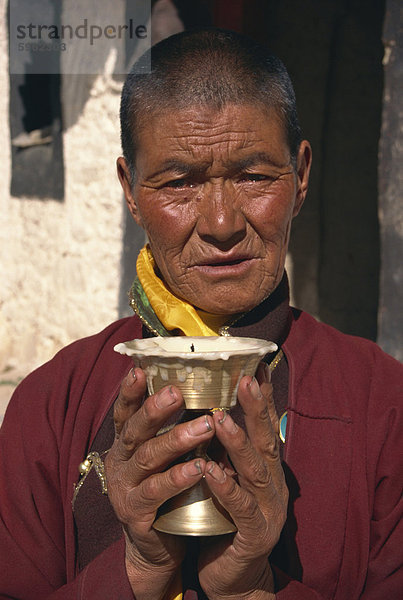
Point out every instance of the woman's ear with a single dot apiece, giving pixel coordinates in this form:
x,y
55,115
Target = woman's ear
x,y
304,161
125,178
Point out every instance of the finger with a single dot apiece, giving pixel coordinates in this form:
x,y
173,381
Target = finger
x,y
255,400
258,531
253,470
262,426
147,420
145,499
263,376
132,391
237,501
157,453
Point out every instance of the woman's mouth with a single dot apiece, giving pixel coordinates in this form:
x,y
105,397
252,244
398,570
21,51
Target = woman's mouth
x,y
222,267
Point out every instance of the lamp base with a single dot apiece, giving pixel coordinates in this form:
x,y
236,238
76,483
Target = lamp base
x,y
194,512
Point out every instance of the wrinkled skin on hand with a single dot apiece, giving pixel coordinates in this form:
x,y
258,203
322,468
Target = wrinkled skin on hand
x,y
237,566
139,481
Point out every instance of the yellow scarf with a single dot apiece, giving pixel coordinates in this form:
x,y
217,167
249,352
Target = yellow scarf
x,y
173,312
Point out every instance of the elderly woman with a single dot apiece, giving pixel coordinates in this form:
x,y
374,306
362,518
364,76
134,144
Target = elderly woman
x,y
214,170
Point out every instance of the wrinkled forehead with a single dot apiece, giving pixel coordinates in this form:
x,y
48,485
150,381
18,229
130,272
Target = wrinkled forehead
x,y
208,134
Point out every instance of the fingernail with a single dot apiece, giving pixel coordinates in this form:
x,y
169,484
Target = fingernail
x,y
255,389
165,398
216,473
222,416
199,426
192,469
227,423
131,378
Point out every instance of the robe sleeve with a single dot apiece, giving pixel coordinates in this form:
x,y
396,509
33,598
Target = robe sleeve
x,y
384,464
32,521
385,452
104,578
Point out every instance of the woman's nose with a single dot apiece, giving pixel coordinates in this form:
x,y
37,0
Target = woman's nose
x,y
220,220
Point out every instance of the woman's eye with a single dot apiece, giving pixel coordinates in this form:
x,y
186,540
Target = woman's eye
x,y
255,177
179,183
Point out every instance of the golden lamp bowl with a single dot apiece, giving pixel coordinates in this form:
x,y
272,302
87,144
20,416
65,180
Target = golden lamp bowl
x,y
207,370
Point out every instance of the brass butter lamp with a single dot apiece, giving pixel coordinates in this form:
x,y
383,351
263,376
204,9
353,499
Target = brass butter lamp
x,y
207,370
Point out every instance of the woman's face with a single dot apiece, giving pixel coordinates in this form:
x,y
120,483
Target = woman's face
x,y
216,193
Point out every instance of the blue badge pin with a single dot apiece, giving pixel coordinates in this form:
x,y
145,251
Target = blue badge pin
x,y
283,426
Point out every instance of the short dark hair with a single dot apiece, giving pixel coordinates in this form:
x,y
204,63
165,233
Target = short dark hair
x,y
208,67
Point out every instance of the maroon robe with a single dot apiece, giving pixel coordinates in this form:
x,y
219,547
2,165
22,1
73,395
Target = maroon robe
x,y
342,458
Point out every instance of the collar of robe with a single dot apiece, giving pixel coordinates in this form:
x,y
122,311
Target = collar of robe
x,y
165,314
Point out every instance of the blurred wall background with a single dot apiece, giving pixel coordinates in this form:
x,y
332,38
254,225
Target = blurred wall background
x,y
68,245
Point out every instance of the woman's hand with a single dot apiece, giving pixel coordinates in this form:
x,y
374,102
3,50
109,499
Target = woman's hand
x,y
237,566
139,481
